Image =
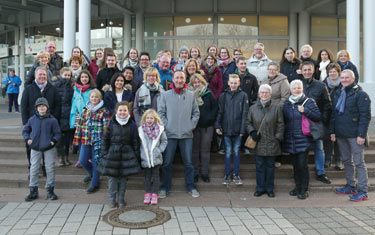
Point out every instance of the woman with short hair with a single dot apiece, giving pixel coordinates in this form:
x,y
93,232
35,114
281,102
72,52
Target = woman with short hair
x,y
343,59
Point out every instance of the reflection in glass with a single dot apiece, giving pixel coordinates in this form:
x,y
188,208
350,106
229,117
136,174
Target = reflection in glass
x,y
193,25
273,25
274,48
158,26
318,45
156,45
245,45
323,27
237,25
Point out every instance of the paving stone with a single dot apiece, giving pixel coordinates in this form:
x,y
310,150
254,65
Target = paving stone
x,y
215,215
173,231
138,232
38,207
233,221
258,231
252,224
341,230
228,232
272,229
358,230
51,208
10,221
303,226
19,212
333,225
348,224
283,223
94,210
239,230
43,219
63,213
326,220
220,225
52,231
103,232
69,206
188,227
197,212
255,211
326,231
339,219
172,223
311,220
23,224
75,217
181,209
206,230
262,219
369,229
103,226
5,228
57,222
31,214
210,209
80,209
22,205
86,229
71,227
7,209
167,208
36,229
118,231
310,232
202,222
226,212
244,215
360,223
17,232
156,229
274,214
239,209
292,231
184,217
90,220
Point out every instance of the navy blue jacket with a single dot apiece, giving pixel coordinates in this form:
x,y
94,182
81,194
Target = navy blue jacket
x,y
138,75
42,131
231,67
110,100
66,91
208,110
294,140
289,69
352,67
357,114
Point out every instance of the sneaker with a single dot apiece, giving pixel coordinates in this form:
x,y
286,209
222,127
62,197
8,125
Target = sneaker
x,y
154,199
237,180
357,197
221,152
162,194
92,189
277,164
147,198
226,179
345,190
194,193
323,178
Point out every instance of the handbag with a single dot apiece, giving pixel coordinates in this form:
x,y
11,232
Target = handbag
x,y
4,90
310,128
250,142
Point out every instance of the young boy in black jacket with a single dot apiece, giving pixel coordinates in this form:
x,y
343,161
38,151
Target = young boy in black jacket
x,y
41,133
231,122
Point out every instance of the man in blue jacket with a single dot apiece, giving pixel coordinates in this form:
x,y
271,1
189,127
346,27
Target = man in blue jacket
x,y
13,82
349,124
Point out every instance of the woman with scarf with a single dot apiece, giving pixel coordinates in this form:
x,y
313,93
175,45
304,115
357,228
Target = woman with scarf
x,y
94,65
289,64
343,59
192,67
89,134
75,66
195,53
42,59
226,65
333,83
205,128
148,94
295,142
118,92
265,124
131,59
213,74
325,57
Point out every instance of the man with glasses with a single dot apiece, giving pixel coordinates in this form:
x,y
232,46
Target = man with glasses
x,y
56,62
144,64
258,62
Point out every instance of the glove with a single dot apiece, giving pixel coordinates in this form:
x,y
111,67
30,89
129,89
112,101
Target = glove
x,y
255,136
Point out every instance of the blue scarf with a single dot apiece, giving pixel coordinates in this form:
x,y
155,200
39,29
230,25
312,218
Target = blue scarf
x,y
340,106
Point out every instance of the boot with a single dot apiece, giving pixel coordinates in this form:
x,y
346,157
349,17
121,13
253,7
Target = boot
x,y
67,162
44,170
61,161
33,194
112,200
50,194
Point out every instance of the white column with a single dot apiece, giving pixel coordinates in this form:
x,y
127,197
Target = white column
x,y
139,30
368,40
303,29
293,30
16,51
84,39
126,34
21,52
352,30
69,27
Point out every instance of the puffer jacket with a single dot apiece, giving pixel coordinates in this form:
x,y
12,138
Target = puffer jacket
x,y
152,149
272,129
66,92
120,149
280,88
289,69
259,68
110,100
78,103
232,114
357,114
215,80
294,140
104,77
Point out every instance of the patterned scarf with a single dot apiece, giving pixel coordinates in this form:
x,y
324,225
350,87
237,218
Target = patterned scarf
x,y
223,62
82,88
151,131
198,93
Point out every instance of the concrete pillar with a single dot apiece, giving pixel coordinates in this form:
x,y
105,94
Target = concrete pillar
x,y
293,30
368,40
139,31
84,26
69,27
352,31
303,29
126,34
16,51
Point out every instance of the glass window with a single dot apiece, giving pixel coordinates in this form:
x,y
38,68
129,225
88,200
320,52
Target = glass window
x,y
342,28
318,45
237,25
323,27
193,25
158,26
274,48
202,44
273,25
245,45
156,45
95,33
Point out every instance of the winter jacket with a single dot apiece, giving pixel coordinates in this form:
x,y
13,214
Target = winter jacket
x,y
55,64
289,69
352,67
259,68
30,77
272,129
356,118
208,110
120,149
110,100
249,85
215,81
152,149
280,88
42,131
134,86
201,72
318,91
104,76
231,67
138,75
294,140
32,93
165,77
94,69
316,66
13,89
66,92
232,114
79,101
139,109
179,113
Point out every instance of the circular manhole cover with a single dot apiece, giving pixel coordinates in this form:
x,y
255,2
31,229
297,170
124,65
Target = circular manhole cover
x,y
137,217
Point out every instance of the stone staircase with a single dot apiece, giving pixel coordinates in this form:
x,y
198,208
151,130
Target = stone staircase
x,y
13,172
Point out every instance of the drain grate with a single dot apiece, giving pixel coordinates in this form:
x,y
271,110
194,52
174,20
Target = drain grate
x,y
138,217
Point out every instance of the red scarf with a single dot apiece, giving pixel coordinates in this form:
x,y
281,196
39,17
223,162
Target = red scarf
x,y
177,90
82,88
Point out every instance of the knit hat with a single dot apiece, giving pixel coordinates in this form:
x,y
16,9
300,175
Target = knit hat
x,y
41,101
183,48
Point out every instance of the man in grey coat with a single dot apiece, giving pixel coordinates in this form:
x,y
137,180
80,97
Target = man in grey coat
x,y
178,109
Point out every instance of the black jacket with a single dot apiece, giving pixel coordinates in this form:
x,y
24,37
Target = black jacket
x,y
110,100
357,113
105,75
66,91
55,64
249,85
208,110
289,69
232,114
318,91
32,93
135,86
120,149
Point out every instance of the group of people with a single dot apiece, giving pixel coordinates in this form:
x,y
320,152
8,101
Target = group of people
x,y
134,118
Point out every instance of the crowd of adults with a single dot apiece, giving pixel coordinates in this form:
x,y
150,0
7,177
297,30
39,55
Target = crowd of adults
x,y
199,102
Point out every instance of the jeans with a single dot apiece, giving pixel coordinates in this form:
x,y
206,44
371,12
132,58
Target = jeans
x,y
265,173
201,149
301,171
36,157
185,146
319,157
117,185
152,178
86,153
332,148
232,143
13,98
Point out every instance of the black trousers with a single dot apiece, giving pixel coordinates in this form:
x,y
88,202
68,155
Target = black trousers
x,y
301,171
